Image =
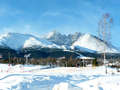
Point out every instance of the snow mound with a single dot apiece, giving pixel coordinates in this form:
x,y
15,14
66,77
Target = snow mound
x,y
61,86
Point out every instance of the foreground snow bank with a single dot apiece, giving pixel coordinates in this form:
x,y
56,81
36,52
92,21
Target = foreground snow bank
x,y
61,86
30,77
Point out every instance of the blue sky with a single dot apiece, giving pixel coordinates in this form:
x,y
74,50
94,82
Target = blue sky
x,y
66,16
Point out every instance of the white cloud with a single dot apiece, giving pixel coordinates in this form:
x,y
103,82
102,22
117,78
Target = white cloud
x,y
17,29
27,27
48,13
3,11
7,30
8,11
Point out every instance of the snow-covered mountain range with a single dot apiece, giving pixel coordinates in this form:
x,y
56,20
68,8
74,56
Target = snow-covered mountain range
x,y
17,41
76,41
79,41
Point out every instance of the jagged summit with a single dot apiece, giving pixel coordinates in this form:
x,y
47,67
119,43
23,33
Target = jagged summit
x,y
52,34
62,39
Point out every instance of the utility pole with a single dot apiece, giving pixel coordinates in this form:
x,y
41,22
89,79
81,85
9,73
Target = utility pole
x,y
9,58
26,57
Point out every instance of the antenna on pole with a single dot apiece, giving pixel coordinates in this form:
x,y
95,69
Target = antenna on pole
x,y
9,58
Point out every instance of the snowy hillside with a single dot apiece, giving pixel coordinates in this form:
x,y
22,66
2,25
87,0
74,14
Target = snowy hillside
x,y
17,41
93,43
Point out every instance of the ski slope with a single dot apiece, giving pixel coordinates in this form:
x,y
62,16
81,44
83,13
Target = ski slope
x,y
30,77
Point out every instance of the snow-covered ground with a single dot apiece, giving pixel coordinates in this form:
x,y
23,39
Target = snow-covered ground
x,y
31,77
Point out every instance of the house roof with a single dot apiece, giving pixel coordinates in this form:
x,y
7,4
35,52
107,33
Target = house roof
x,y
84,57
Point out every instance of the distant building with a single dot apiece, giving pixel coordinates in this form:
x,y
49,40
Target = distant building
x,y
85,57
85,60
61,58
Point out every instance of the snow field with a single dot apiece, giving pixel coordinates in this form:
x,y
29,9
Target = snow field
x,y
30,77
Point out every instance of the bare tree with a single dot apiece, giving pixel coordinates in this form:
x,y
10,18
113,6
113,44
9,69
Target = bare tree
x,y
104,32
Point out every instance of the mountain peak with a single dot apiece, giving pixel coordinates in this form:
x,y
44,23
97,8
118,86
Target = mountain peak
x,y
51,34
87,35
91,42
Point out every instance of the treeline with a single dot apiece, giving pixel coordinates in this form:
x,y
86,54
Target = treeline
x,y
53,62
